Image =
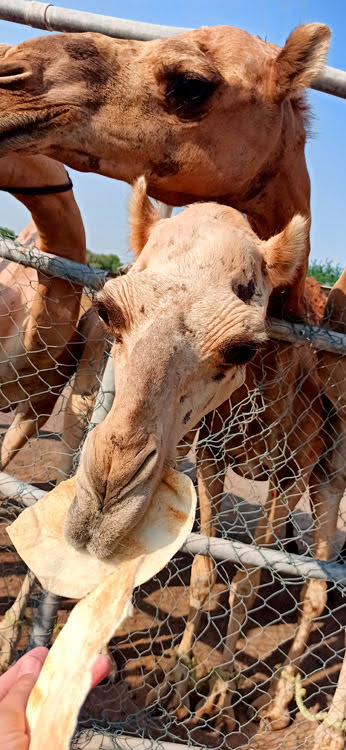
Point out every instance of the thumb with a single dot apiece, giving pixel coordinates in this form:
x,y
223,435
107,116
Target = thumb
x,y
18,695
28,672
13,727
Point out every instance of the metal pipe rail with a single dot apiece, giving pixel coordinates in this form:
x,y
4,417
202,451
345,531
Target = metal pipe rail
x,y
94,278
53,265
12,488
101,741
319,338
263,557
219,549
46,16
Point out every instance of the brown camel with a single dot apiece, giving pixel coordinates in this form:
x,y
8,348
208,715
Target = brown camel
x,y
210,114
185,322
40,346
39,343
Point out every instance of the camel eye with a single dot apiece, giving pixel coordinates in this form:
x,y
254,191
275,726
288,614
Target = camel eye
x,y
190,89
187,92
238,354
103,314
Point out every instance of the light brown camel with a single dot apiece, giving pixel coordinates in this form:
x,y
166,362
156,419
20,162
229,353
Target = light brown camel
x,y
40,346
290,428
186,319
38,321
210,114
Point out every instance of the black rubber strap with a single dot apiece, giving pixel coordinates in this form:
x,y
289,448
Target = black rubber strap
x,y
44,190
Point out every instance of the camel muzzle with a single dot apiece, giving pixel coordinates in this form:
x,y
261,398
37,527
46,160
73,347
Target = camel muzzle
x,y
106,509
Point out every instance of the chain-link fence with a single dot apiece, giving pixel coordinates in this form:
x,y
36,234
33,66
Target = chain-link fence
x,y
239,641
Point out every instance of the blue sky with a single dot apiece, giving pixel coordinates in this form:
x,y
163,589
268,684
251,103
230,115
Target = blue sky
x,y
103,201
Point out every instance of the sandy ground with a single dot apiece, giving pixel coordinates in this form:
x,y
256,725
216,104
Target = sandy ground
x,y
144,645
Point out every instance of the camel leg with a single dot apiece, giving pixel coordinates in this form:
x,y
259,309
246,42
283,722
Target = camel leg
x,y
174,691
10,625
283,495
327,483
25,424
84,390
330,476
243,591
330,734
312,603
77,414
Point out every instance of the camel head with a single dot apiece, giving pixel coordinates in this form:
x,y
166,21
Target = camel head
x,y
211,113
186,319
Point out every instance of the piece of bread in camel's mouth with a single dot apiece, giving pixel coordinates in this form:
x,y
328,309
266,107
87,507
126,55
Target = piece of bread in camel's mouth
x,y
106,586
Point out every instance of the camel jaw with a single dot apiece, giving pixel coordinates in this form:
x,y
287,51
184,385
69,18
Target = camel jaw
x,y
18,131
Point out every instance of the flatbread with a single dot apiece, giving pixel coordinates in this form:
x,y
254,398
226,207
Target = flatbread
x,y
65,679
37,534
38,537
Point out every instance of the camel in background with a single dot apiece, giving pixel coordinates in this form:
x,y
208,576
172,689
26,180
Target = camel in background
x,y
40,346
213,113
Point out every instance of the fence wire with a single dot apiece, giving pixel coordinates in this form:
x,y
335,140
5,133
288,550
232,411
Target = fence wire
x,y
223,685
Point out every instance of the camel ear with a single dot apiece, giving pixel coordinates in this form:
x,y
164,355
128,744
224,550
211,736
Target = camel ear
x,y
142,216
3,49
300,60
285,252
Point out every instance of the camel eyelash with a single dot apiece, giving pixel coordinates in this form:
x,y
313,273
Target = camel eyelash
x,y
102,313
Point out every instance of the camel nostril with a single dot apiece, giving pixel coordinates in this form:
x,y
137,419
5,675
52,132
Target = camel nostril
x,y
13,74
140,475
77,526
145,468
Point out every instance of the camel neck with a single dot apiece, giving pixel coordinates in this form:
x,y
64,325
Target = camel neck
x,y
55,213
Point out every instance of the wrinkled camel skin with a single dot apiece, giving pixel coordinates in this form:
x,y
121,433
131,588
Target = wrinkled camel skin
x,y
40,346
213,113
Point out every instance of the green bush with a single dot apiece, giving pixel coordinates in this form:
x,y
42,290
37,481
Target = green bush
x,y
101,260
325,272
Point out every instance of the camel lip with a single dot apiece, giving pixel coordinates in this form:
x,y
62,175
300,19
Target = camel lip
x,y
9,134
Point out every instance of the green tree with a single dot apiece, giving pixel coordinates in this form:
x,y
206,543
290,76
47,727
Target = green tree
x,y
101,260
325,272
7,234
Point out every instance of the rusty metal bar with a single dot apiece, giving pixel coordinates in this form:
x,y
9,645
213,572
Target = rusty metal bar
x,y
53,265
94,278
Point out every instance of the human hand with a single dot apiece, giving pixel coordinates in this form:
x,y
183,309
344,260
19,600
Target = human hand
x,y
15,687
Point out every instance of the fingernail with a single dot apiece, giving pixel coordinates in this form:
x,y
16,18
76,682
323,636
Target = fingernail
x,y
29,665
103,662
